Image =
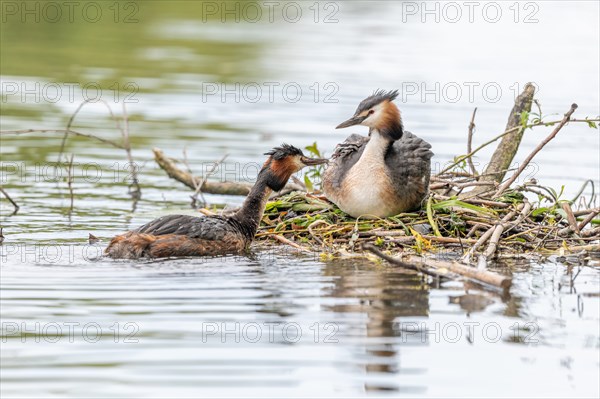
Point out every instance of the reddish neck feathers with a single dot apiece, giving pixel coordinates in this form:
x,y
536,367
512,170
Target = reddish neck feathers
x,y
390,122
278,172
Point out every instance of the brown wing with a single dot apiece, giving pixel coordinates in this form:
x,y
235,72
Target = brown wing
x,y
134,245
205,227
178,235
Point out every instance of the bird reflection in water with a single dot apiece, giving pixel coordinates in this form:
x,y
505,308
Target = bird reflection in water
x,y
384,296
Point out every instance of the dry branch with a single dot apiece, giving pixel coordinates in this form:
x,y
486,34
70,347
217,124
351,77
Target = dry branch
x,y
441,268
174,172
484,238
524,164
470,142
204,180
503,226
208,187
509,145
284,240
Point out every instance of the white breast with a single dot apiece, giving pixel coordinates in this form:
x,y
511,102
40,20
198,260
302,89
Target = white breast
x,y
366,188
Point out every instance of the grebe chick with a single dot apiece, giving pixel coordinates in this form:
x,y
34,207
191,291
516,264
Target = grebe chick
x,y
182,235
381,175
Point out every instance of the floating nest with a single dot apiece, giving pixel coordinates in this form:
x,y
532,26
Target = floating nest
x,y
448,225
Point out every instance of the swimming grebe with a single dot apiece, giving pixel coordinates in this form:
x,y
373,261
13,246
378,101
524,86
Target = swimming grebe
x,y
183,235
381,175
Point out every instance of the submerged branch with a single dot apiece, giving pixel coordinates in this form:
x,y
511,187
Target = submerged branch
x,y
193,182
8,197
205,186
446,269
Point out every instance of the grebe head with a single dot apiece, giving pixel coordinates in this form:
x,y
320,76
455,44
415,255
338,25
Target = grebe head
x,y
282,163
379,113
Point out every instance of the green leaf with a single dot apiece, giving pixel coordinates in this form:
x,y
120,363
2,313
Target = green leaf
x,y
540,211
592,124
460,204
524,118
309,207
431,219
275,205
308,183
561,212
313,149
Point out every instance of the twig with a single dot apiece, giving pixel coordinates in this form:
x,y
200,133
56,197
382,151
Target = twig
x,y
591,233
72,119
284,240
582,212
525,210
443,240
550,196
225,188
371,248
573,226
583,186
185,160
483,239
205,179
64,139
470,142
72,132
588,219
14,204
476,150
441,268
479,148
524,164
476,201
500,227
137,191
206,212
313,225
575,248
570,217
70,181
482,276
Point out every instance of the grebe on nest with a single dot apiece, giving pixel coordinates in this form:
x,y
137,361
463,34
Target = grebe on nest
x,y
381,175
182,235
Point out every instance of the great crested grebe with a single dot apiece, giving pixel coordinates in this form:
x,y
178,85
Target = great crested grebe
x,y
183,235
381,175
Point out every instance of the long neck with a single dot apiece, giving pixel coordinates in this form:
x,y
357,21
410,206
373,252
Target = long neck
x,y
251,212
377,146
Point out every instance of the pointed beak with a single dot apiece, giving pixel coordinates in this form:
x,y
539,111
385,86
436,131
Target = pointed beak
x,y
355,120
314,161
